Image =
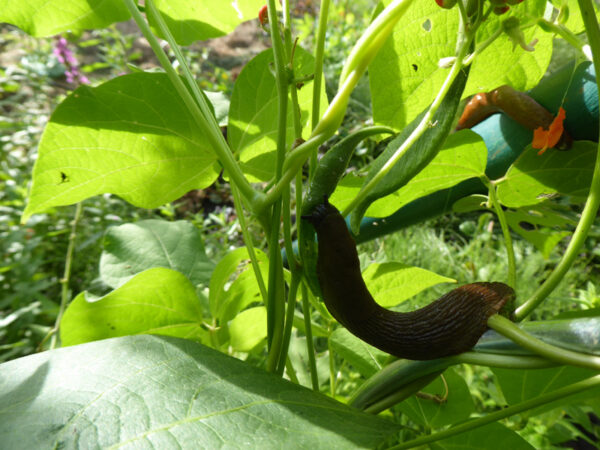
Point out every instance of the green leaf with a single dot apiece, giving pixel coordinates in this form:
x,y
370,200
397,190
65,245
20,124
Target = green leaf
x,y
49,17
391,283
363,357
252,129
134,247
520,385
200,19
463,156
248,329
144,148
225,299
159,392
243,291
494,436
433,414
158,301
533,178
417,155
535,224
405,76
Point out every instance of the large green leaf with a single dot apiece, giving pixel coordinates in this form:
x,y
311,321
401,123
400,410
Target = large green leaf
x,y
252,129
49,17
391,283
198,20
405,75
226,299
159,301
134,247
131,136
248,329
464,156
364,357
533,178
167,393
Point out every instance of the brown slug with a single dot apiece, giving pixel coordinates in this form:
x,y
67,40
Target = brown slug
x,y
450,325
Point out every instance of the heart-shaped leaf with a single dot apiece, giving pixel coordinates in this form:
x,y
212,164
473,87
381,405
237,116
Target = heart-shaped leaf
x,y
160,392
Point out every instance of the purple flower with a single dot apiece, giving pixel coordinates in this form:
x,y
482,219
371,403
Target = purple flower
x,y
66,57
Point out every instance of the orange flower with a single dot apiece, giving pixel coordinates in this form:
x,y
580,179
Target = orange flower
x,y
544,139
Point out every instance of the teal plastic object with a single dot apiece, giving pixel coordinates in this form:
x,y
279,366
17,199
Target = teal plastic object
x,y
505,140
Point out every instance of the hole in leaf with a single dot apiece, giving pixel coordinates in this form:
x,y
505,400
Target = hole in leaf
x,y
427,25
415,67
526,226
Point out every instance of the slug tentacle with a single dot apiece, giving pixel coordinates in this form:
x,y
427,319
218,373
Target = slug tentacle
x,y
448,326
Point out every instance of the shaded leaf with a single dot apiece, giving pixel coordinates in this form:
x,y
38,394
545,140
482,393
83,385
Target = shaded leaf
x,y
430,413
533,178
134,247
226,300
494,436
150,391
158,301
520,385
363,357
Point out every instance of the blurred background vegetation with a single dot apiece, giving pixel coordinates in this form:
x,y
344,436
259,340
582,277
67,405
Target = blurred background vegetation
x,y
33,81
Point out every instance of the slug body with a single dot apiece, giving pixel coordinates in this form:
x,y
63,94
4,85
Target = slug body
x,y
517,105
450,325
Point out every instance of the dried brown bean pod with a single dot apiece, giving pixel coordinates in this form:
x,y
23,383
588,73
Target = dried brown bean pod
x,y
450,325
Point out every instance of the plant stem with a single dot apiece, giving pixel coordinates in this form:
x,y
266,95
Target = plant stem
x,y
207,126
504,413
310,349
593,200
276,294
289,320
560,355
318,78
512,270
65,294
248,242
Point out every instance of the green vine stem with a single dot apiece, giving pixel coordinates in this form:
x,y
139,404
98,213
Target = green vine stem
x,y
503,413
65,294
248,242
560,355
318,78
312,363
593,200
276,292
510,253
209,128
289,320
